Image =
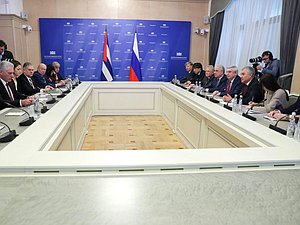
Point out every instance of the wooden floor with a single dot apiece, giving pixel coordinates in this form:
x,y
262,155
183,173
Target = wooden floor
x,y
130,133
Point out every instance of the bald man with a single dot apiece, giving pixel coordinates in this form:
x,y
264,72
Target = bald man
x,y
39,76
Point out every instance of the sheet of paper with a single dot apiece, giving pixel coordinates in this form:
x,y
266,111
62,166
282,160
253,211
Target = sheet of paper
x,y
270,118
15,114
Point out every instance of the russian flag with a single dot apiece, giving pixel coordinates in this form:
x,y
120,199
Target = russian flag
x,y
106,72
135,73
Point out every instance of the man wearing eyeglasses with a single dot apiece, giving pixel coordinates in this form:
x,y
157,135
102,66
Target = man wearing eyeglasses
x,y
272,65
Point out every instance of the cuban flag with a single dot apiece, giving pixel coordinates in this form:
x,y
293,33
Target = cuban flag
x,y
106,72
135,73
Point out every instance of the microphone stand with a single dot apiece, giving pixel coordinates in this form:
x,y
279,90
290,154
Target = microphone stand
x,y
246,114
52,100
44,109
62,93
9,135
278,129
226,106
27,121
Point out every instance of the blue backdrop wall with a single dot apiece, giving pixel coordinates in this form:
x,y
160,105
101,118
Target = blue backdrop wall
x,y
77,44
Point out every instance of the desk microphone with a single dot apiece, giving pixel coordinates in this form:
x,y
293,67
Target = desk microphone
x,y
201,95
226,106
278,129
214,100
62,93
9,135
246,114
52,100
44,109
27,121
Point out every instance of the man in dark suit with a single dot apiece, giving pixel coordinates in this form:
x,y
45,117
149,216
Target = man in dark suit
x,y
26,84
7,91
209,77
189,72
220,80
4,53
39,76
233,84
251,90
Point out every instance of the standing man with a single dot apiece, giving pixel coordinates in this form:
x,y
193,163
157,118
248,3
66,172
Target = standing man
x,y
4,53
7,91
272,66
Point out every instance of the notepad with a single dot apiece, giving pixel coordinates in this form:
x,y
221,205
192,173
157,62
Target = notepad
x,y
15,114
270,118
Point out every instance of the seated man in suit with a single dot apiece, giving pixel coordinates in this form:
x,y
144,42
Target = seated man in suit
x,y
39,76
199,74
220,80
7,91
4,53
209,77
189,72
251,90
25,82
233,84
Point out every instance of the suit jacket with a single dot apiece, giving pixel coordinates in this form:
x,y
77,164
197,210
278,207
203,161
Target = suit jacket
x,y
17,95
25,86
218,86
7,55
39,80
292,108
236,87
188,76
209,82
252,92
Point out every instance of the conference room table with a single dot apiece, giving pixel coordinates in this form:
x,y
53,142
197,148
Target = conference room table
x,y
253,176
257,114
13,116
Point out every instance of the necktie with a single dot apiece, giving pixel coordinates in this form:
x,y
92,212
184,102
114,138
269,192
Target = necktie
x,y
30,82
218,82
11,97
228,87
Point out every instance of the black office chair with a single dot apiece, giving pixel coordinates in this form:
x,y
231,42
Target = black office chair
x,y
285,81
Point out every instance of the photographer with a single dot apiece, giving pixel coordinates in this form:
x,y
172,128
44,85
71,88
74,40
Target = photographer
x,y
272,65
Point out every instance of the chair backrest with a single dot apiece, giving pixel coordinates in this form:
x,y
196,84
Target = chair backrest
x,y
285,81
292,99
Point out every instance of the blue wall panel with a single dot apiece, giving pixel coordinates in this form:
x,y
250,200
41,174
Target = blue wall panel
x,y
77,44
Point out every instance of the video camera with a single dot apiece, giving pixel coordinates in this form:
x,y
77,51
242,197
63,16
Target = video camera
x,y
256,60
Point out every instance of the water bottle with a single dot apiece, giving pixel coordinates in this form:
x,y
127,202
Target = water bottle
x,y
76,79
36,103
297,131
234,103
175,81
241,103
70,82
291,127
